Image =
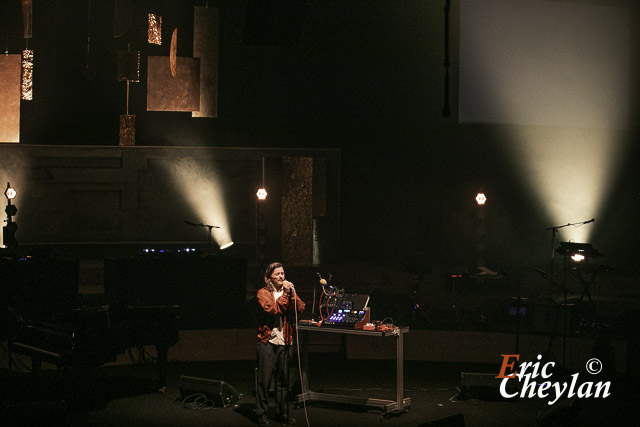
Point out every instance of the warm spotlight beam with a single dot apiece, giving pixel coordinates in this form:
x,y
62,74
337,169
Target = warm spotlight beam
x,y
200,184
226,245
544,63
556,74
571,170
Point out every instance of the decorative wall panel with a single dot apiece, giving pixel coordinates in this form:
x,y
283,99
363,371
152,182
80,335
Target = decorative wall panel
x,y
168,93
10,98
206,47
297,204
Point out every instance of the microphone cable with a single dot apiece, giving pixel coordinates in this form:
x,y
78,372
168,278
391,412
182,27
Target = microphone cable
x,y
304,400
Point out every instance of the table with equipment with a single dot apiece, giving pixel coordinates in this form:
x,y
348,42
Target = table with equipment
x,y
388,407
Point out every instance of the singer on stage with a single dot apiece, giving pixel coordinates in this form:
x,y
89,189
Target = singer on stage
x,y
279,302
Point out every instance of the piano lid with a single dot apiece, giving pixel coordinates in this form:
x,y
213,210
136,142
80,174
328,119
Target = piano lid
x,y
571,248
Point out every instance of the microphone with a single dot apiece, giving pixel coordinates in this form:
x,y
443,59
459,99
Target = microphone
x,y
288,282
591,220
191,223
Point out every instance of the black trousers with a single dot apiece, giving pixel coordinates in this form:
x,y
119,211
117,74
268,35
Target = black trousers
x,y
273,364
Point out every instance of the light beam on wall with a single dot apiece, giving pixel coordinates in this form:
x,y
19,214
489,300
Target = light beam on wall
x,y
556,75
203,192
544,63
570,170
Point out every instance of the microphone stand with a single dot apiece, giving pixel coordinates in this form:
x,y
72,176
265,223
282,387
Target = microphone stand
x,y
286,359
564,315
554,232
210,227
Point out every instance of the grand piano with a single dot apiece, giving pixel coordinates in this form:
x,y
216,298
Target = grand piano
x,y
90,337
44,318
147,300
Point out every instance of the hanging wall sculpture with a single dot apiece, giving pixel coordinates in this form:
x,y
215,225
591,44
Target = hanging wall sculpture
x,y
205,46
154,31
129,71
176,83
168,93
129,65
26,84
9,98
127,130
173,52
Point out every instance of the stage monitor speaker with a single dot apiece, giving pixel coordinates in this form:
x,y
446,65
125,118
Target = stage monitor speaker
x,y
450,421
220,393
484,386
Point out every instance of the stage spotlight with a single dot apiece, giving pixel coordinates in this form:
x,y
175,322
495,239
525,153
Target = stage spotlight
x,y
225,246
578,252
481,199
577,257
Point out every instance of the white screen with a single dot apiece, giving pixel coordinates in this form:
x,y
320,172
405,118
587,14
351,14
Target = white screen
x,y
544,63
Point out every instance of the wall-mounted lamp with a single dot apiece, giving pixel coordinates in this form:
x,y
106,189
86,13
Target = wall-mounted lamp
x,y
262,191
9,230
10,193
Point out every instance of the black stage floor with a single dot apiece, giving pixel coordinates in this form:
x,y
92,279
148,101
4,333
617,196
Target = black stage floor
x,y
127,395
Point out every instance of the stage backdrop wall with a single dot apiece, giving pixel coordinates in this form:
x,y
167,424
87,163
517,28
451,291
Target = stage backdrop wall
x,y
101,202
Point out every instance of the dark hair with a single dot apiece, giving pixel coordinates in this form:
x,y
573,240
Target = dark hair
x,y
270,268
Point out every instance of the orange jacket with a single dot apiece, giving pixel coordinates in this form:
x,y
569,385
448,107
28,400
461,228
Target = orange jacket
x,y
270,308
